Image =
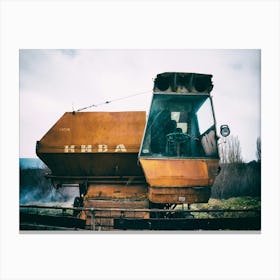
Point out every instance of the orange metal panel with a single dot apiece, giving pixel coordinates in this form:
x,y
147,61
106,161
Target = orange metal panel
x,y
94,144
95,132
212,166
111,204
179,195
92,164
116,192
116,203
178,172
109,129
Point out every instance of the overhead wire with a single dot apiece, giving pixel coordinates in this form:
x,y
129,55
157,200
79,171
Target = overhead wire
x,y
110,101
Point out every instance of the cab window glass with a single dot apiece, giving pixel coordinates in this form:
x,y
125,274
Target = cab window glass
x,y
204,116
174,127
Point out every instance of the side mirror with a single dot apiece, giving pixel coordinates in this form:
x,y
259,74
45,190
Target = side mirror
x,y
224,130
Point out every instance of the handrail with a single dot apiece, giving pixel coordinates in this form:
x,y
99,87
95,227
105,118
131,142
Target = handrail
x,y
139,210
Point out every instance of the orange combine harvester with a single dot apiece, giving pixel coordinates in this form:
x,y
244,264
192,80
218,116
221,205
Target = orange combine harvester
x,y
120,160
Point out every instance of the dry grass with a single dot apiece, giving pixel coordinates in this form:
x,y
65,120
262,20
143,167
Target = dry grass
x,y
234,203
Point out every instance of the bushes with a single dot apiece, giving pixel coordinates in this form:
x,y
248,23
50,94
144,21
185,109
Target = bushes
x,y
238,179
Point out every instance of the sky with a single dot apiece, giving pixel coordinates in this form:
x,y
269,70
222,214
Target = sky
x,y
53,81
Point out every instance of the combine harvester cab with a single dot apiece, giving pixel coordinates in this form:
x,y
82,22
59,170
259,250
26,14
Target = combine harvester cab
x,y
179,152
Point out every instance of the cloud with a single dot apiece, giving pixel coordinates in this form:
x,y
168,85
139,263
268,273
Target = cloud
x,y
54,81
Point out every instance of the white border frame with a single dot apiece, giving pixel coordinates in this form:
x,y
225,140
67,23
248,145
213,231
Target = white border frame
x,y
156,24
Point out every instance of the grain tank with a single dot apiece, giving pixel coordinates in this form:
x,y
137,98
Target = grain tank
x,y
97,152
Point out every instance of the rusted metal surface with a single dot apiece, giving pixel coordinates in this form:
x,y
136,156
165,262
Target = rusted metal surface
x,y
118,204
95,129
114,196
179,195
116,192
94,144
105,218
92,164
178,172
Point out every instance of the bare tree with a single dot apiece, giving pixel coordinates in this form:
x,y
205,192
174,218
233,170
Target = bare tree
x,y
236,177
230,150
258,153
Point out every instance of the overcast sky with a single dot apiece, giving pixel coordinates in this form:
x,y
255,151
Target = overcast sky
x,y
55,81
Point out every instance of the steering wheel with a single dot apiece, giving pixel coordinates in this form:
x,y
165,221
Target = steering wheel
x,y
178,137
175,139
